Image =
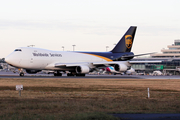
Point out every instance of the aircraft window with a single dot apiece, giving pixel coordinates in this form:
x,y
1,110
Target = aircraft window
x,y
17,50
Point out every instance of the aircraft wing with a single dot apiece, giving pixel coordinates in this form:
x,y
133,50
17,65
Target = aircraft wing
x,y
109,63
102,63
105,63
124,62
70,64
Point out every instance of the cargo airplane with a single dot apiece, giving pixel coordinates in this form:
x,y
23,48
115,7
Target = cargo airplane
x,y
77,63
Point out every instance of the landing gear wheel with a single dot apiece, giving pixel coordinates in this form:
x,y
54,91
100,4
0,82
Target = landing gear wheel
x,y
21,74
55,74
81,75
70,74
58,74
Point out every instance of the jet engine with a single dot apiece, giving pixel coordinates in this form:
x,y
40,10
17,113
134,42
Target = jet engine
x,y
32,71
120,67
82,69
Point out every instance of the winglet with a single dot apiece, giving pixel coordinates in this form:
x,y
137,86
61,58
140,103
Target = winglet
x,y
125,43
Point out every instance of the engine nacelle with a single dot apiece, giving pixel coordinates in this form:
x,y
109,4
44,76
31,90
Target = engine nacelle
x,y
32,71
82,69
120,67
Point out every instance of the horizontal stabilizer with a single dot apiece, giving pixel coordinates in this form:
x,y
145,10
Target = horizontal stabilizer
x,y
131,56
155,61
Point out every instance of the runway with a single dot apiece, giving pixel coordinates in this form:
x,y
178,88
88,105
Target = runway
x,y
16,75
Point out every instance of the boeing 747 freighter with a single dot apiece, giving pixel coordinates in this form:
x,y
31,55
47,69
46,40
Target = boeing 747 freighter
x,y
76,63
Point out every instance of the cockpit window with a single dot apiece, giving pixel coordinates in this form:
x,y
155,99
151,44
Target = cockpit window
x,y
17,50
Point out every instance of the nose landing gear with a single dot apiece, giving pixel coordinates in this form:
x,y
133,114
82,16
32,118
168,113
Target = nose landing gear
x,y
21,72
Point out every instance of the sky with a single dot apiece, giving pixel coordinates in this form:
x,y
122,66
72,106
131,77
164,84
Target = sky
x,y
91,25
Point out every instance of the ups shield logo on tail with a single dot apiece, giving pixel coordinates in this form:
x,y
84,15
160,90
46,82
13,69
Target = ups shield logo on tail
x,y
128,41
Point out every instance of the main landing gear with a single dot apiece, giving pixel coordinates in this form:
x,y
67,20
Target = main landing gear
x,y
57,74
75,74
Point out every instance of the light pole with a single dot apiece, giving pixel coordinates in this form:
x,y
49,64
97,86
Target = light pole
x,y
63,48
107,48
73,47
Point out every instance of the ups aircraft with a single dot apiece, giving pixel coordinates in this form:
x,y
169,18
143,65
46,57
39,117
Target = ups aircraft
x,y
77,63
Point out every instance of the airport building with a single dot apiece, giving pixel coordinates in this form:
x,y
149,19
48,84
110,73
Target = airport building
x,y
172,51
170,61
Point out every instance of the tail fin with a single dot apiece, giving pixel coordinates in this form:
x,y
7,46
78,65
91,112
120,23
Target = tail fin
x,y
125,43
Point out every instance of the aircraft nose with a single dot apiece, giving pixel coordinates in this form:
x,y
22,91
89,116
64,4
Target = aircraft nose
x,y
14,59
9,59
